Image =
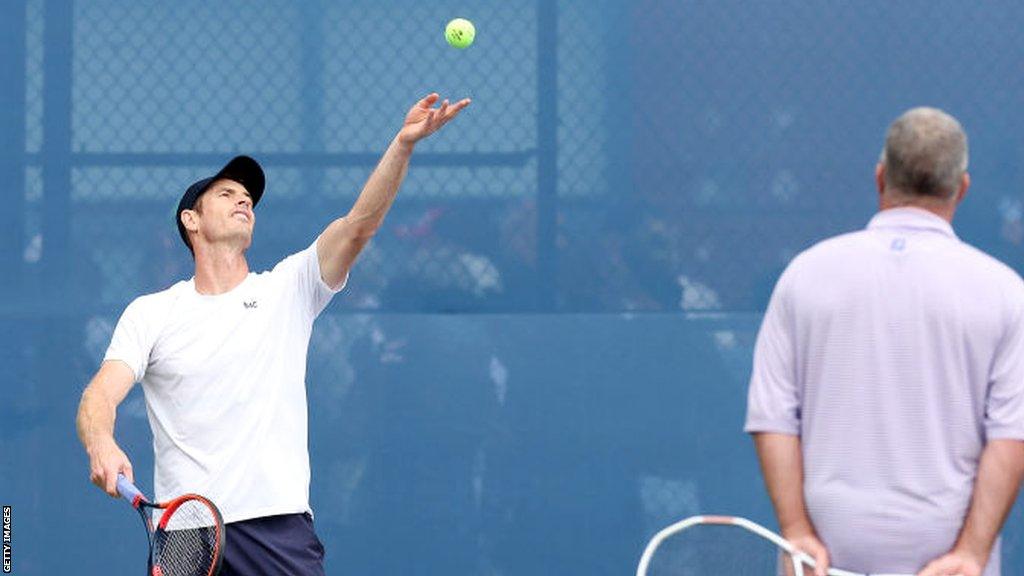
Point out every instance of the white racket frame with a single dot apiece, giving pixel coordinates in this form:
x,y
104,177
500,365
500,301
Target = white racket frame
x,y
800,559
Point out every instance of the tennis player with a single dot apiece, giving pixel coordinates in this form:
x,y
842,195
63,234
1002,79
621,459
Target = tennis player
x,y
887,394
222,360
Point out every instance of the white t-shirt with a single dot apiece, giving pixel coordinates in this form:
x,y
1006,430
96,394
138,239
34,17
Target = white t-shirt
x,y
224,382
895,353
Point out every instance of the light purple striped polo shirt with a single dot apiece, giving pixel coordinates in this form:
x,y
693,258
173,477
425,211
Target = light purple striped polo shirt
x,y
894,353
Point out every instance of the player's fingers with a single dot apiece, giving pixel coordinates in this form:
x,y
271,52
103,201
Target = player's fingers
x,y
428,100
96,477
126,469
820,561
453,111
442,112
110,481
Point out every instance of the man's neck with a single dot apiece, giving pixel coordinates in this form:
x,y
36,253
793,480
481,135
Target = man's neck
x,y
219,271
941,208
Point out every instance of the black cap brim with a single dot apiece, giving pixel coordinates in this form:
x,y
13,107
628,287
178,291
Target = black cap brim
x,y
247,172
241,169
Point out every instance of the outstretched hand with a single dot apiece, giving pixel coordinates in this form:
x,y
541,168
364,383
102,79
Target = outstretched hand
x,y
424,119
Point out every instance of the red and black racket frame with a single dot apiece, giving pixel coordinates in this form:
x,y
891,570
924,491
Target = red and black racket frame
x,y
141,505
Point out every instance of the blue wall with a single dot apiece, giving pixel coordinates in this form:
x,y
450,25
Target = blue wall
x,y
543,356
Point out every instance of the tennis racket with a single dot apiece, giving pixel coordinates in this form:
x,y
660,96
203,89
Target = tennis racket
x,y
711,545
186,534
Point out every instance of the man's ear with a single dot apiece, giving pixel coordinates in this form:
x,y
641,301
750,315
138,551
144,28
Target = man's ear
x,y
965,183
189,218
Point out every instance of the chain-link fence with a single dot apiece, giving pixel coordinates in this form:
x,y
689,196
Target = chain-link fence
x,y
697,147
162,93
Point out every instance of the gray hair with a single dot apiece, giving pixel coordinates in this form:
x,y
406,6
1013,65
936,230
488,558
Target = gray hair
x,y
925,154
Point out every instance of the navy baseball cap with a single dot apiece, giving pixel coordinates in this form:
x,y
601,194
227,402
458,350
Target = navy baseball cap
x,y
241,169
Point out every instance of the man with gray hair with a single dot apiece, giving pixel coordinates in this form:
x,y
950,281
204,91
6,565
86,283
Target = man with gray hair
x,y
887,393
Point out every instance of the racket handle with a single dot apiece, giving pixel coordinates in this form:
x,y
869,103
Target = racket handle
x,y
128,490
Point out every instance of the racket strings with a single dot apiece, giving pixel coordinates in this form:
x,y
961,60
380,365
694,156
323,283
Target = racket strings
x,y
711,550
188,543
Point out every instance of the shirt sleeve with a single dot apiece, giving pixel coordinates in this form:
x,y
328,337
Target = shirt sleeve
x,y
132,340
302,269
773,399
1004,405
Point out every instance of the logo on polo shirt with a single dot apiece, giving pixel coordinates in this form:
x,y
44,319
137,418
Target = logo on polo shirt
x,y
249,305
898,244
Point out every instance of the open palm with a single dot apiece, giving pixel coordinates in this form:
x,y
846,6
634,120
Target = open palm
x,y
424,119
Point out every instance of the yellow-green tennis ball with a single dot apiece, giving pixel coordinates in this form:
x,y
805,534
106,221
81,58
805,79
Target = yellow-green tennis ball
x,y
460,33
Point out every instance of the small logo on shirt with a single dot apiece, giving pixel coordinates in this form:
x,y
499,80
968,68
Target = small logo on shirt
x,y
898,244
249,305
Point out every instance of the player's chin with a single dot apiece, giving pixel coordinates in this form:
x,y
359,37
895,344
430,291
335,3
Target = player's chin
x,y
242,238
244,228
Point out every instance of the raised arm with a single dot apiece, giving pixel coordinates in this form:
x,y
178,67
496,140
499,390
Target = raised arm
x,y
96,414
344,238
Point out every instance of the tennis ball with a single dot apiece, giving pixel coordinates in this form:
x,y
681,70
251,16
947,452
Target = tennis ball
x,y
460,33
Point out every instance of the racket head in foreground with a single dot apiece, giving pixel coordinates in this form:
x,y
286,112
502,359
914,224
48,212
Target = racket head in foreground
x,y
712,545
186,534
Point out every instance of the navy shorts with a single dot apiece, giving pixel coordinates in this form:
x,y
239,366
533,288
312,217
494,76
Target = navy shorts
x,y
283,545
